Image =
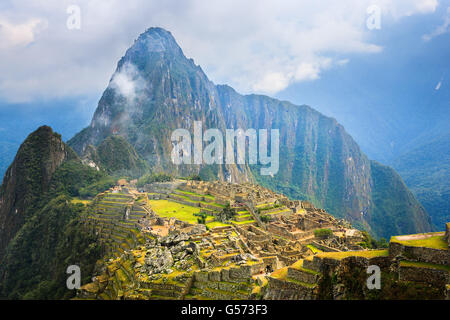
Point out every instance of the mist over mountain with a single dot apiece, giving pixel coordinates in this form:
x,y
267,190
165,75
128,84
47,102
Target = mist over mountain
x,y
156,90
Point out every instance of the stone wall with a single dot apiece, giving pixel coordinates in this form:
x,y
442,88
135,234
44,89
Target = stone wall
x,y
307,277
287,290
433,277
423,254
162,187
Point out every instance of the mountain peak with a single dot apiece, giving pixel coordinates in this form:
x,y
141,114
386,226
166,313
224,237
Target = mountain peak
x,y
154,40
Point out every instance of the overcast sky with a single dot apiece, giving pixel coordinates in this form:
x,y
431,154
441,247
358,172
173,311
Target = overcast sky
x,y
255,46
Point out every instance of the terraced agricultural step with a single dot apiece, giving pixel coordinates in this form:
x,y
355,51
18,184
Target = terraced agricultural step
x,y
223,295
303,275
243,217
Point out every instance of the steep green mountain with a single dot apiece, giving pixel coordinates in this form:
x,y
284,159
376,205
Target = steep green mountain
x,y
156,89
392,200
425,170
41,230
28,177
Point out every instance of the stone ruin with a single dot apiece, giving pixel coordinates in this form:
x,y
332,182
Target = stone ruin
x,y
239,251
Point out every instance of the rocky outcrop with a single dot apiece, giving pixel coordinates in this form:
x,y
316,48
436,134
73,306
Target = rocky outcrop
x,y
429,255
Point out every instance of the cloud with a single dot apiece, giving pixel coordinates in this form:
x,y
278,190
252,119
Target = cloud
x,y
128,82
20,34
261,46
442,29
438,86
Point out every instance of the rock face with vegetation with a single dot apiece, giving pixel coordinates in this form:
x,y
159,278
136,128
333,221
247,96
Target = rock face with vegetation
x,y
28,177
116,156
426,169
320,161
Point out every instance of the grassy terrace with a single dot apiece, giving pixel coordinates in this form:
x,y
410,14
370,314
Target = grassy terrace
x,y
168,209
424,265
217,224
434,240
345,254
85,202
313,249
280,274
244,222
299,266
303,284
278,211
219,206
196,194
265,205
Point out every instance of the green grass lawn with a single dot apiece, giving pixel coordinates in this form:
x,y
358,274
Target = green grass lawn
x,y
85,202
168,209
435,242
264,205
244,222
313,249
424,265
280,274
216,224
299,266
345,254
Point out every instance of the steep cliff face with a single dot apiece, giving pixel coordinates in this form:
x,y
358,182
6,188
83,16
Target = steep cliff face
x,y
28,177
394,207
116,156
156,89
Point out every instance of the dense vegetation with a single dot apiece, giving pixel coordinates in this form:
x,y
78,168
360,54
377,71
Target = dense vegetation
x,y
370,242
28,177
36,269
426,171
153,177
390,215
37,258
77,180
118,157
